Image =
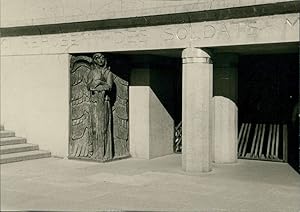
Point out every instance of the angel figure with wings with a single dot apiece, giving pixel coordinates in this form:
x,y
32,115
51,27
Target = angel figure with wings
x,y
99,85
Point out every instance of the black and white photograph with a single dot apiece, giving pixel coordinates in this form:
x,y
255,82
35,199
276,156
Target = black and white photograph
x,y
150,105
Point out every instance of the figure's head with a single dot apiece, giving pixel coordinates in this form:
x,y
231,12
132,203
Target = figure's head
x,y
99,59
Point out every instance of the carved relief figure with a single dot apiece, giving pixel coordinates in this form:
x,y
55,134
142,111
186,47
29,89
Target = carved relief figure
x,y
99,110
99,83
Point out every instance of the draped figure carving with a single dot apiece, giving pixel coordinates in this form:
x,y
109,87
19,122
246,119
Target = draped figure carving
x,y
99,110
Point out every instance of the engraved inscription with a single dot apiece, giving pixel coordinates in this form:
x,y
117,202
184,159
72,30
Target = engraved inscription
x,y
132,36
277,28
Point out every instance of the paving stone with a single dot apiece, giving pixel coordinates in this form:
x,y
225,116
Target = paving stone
x,y
152,185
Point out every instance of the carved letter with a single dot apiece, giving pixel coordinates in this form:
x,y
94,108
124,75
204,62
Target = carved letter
x,y
169,34
252,30
292,24
182,33
4,43
224,30
209,31
195,35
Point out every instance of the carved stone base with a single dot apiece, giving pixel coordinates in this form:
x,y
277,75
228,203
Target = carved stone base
x,y
99,161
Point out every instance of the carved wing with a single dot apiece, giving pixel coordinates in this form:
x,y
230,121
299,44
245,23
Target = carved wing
x,y
120,118
79,106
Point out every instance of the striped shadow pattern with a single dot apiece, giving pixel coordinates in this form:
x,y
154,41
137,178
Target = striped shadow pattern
x,y
263,141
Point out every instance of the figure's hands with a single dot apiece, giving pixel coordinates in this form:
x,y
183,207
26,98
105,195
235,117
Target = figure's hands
x,y
100,82
95,84
102,87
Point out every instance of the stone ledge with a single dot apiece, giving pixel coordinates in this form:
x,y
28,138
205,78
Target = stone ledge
x,y
155,20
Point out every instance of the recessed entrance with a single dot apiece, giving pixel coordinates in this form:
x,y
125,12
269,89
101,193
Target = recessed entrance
x,y
268,93
126,106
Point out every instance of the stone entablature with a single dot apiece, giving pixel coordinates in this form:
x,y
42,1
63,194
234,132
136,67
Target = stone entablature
x,y
32,12
257,30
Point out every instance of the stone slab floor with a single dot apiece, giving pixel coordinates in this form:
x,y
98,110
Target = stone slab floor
x,y
152,185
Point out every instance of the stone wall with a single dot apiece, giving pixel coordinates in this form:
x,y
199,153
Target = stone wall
x,y
35,99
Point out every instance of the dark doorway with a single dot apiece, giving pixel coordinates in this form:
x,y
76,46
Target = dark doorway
x,y
268,94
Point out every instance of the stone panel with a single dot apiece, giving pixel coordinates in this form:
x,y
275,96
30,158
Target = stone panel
x,y
258,30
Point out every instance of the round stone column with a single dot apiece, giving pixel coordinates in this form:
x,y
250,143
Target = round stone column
x,y
196,97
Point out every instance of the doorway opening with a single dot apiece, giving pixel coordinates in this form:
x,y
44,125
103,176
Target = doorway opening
x,y
268,91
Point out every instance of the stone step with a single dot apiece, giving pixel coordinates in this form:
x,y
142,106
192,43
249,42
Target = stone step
x,y
7,149
21,156
1,127
12,140
6,133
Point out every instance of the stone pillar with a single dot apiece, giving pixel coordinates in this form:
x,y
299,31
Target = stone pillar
x,y
224,109
196,97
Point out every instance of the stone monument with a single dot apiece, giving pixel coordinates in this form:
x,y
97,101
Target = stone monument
x,y
98,110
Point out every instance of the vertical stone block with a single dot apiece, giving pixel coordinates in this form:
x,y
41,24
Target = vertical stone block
x,y
151,127
139,124
224,109
224,130
139,135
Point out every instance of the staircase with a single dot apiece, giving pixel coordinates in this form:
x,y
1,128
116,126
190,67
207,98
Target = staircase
x,y
14,149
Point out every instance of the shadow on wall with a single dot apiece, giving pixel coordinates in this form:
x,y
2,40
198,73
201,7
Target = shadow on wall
x,y
163,76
